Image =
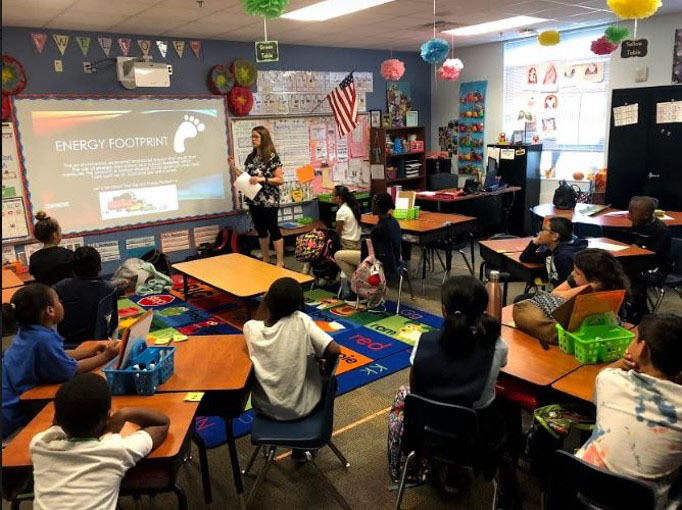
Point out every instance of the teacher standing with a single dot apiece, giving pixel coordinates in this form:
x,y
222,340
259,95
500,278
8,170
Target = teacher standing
x,y
265,168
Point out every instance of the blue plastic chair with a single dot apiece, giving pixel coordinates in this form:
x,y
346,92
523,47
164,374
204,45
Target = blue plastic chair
x,y
309,433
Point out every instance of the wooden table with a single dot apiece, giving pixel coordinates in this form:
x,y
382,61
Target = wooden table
x,y
10,279
602,218
8,293
460,198
288,232
155,473
580,382
236,274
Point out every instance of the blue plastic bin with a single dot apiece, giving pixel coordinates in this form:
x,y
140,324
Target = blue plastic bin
x,y
128,381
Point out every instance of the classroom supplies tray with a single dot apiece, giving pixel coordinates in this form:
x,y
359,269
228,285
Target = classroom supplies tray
x,y
131,381
406,214
599,338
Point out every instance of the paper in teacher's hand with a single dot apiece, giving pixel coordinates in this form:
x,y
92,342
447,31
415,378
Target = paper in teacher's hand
x,y
242,184
305,173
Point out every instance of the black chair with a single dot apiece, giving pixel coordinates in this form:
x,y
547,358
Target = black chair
x,y
576,485
443,181
674,278
588,230
106,321
444,433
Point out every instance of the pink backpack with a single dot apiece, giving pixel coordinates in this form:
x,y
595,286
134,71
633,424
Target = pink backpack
x,y
369,281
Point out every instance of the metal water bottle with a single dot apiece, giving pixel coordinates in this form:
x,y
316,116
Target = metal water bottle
x,y
494,295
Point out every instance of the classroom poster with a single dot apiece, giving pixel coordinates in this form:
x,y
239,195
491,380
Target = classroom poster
x,y
398,101
14,224
677,57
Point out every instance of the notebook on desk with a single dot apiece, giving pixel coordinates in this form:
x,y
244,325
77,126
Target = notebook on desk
x,y
593,209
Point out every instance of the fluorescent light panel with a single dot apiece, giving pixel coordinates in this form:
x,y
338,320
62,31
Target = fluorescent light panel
x,y
329,9
495,26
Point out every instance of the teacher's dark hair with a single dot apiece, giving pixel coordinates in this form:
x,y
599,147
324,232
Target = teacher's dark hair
x,y
349,199
267,148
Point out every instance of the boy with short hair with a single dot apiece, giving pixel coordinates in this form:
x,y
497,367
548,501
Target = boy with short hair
x,y
639,409
556,247
79,462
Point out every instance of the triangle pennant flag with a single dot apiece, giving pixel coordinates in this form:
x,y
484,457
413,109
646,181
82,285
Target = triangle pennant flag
x,y
124,44
196,47
39,39
105,44
62,41
163,48
145,45
179,47
83,44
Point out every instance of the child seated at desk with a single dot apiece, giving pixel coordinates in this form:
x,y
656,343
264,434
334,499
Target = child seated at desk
x,y
638,432
283,347
51,263
80,461
37,354
81,296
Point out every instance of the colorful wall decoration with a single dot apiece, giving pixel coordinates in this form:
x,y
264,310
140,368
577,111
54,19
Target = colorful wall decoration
x,y
471,126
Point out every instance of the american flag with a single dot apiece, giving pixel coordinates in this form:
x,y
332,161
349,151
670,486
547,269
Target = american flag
x,y
344,103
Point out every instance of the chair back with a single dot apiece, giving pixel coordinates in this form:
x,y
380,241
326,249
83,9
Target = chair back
x,y
575,485
444,432
588,230
107,316
676,250
443,180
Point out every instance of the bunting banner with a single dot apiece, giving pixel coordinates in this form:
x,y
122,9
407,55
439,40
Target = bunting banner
x,y
105,44
196,47
39,39
163,48
179,47
83,44
62,41
124,44
145,45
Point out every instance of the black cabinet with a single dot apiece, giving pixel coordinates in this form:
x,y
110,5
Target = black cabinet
x,y
645,158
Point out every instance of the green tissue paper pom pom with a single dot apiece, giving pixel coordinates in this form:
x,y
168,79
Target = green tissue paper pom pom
x,y
265,8
615,34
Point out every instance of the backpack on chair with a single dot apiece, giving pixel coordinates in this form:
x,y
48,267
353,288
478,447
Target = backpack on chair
x,y
324,266
368,280
566,196
309,246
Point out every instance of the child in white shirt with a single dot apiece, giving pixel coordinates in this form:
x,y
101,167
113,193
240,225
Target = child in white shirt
x,y
349,230
79,462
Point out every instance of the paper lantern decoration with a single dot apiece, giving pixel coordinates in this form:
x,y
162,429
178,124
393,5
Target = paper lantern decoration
x,y
435,50
549,38
602,47
265,8
240,100
450,69
634,9
244,72
392,69
13,76
5,108
615,34
220,80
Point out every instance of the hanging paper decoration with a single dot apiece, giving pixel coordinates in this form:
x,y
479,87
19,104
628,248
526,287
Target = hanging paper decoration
x,y
435,50
266,8
124,44
13,76
163,48
602,46
392,69
244,72
62,41
615,34
196,47
450,69
240,100
549,38
145,45
634,9
220,80
83,43
39,39
105,44
5,108
179,47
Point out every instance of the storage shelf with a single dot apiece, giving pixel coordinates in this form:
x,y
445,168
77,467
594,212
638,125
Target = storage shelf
x,y
404,179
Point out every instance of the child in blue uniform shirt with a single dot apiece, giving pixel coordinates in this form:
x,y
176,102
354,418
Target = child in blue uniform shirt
x,y
37,354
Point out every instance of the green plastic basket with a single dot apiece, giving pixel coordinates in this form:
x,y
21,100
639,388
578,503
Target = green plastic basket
x,y
305,220
413,214
599,338
400,214
324,197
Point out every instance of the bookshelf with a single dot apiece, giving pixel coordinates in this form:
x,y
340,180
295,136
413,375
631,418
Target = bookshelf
x,y
409,166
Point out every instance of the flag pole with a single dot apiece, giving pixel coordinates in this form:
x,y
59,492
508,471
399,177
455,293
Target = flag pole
x,y
325,97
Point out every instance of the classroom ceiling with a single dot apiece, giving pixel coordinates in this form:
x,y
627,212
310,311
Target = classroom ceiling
x,y
401,24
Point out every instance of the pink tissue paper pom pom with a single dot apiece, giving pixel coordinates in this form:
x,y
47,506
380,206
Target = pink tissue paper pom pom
x,y
450,69
392,69
602,47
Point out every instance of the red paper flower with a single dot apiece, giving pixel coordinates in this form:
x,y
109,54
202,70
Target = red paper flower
x,y
220,80
13,76
240,100
602,47
5,107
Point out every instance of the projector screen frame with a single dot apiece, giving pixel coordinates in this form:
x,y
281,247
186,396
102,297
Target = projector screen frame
x,y
135,226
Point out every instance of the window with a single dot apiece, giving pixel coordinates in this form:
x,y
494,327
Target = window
x,y
560,94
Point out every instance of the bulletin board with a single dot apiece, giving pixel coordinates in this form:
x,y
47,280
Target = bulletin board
x,y
14,221
313,156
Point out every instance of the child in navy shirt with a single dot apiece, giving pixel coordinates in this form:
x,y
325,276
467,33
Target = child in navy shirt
x,y
52,263
37,354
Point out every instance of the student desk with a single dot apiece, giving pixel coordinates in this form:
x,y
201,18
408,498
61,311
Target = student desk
x,y
602,218
10,279
8,293
288,232
580,382
471,196
236,274
218,365
155,473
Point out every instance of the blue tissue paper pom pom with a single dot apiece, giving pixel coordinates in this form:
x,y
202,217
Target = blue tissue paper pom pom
x,y
435,50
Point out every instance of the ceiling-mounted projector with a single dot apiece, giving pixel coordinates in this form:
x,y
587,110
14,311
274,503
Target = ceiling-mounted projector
x,y
135,72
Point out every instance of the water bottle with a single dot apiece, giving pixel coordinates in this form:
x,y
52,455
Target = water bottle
x,y
494,295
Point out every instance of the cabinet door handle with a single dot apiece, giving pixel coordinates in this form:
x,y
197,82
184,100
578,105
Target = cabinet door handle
x,y
653,176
